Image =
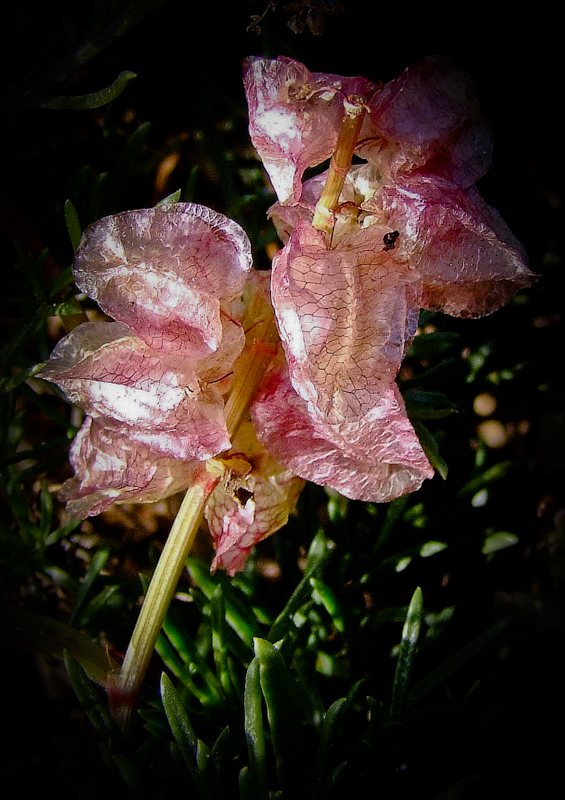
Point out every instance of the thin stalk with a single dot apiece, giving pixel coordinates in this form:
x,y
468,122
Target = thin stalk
x,y
124,690
251,367
339,164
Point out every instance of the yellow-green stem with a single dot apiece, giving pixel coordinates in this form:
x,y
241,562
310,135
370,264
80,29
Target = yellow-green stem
x,y
249,370
339,164
124,691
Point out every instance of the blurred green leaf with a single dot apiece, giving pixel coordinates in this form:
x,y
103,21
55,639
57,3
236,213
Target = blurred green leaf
x,y
85,101
194,752
26,630
284,723
406,655
221,757
73,224
238,613
219,643
191,669
326,597
97,564
94,705
171,199
428,405
62,280
330,732
498,541
394,513
431,448
246,784
96,40
455,662
20,334
318,555
134,781
488,476
9,384
110,185
432,345
333,742
68,308
431,548
254,733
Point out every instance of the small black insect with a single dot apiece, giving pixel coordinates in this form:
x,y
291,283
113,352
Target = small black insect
x,y
390,240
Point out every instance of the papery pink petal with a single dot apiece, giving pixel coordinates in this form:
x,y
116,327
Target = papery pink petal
x,y
168,272
376,458
361,183
429,117
219,364
285,217
111,373
470,262
241,515
294,117
345,317
109,467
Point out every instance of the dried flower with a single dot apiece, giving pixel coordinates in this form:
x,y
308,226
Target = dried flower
x,y
295,117
426,119
176,391
168,385
347,312
407,230
153,383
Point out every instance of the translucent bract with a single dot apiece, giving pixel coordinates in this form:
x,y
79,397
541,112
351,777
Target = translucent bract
x,y
365,247
153,383
409,229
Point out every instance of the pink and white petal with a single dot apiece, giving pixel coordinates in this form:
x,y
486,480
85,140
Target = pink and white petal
x,y
470,262
196,431
111,373
429,117
286,218
167,272
294,117
345,317
240,514
377,458
110,467
361,182
218,365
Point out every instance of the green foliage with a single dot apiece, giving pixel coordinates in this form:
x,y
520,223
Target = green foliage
x,y
92,100
259,719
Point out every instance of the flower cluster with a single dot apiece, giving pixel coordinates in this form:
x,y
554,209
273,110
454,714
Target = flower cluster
x,y
178,282
366,247
167,381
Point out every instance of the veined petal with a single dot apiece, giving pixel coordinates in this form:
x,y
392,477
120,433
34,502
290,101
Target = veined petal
x,y
470,262
239,519
345,317
245,509
169,272
428,117
111,373
110,467
295,117
377,458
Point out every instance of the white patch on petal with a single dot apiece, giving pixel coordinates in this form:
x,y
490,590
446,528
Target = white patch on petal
x,y
114,243
132,405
